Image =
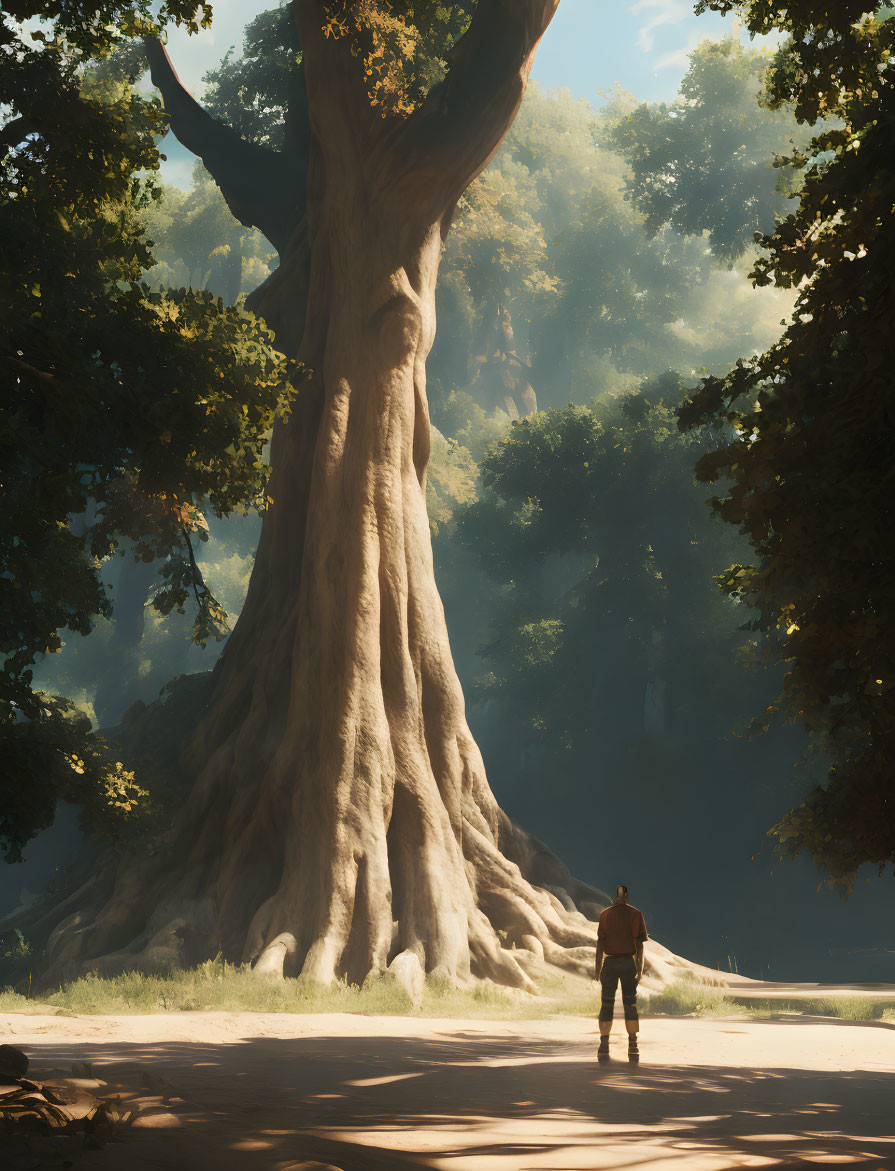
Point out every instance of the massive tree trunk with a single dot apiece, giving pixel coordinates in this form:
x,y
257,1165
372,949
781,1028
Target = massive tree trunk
x,y
340,813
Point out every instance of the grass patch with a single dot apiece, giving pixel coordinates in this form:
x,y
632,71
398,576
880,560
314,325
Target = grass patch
x,y
557,998
846,1008
442,999
851,1008
12,1002
217,985
687,998
213,985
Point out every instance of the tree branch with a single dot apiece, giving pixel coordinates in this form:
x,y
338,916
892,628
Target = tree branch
x,y
51,381
455,133
262,188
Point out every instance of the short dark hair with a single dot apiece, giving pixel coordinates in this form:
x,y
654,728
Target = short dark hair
x,y
621,886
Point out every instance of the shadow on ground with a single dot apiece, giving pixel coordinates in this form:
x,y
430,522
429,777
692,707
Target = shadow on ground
x,y
468,1101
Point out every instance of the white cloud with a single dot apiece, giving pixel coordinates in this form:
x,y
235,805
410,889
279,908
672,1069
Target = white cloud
x,y
679,58
659,13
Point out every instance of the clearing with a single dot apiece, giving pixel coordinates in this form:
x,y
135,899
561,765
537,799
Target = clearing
x,y
288,1092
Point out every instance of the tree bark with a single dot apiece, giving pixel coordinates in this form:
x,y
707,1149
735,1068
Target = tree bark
x,y
340,813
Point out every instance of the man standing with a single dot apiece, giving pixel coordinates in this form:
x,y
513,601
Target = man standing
x,y
620,939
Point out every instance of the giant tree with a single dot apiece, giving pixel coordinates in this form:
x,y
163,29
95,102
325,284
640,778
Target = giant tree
x,y
340,813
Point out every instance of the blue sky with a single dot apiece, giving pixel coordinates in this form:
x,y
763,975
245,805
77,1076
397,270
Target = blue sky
x,y
591,46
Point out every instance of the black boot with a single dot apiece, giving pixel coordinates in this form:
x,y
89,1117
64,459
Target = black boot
x,y
633,1050
603,1051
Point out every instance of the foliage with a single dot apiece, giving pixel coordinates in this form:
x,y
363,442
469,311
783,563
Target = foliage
x,y
469,424
136,651
603,550
805,434
832,54
687,998
850,1008
49,753
705,163
450,479
15,957
89,29
547,235
196,242
124,412
251,92
401,44
217,985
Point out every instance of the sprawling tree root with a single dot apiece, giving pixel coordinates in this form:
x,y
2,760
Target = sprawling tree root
x,y
340,814
457,898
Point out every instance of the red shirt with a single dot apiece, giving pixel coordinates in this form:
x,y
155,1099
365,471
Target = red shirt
x,y
622,929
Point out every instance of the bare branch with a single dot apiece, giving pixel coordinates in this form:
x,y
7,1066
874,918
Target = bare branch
x,y
263,189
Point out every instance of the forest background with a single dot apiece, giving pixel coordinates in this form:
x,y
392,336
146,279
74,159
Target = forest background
x,y
607,678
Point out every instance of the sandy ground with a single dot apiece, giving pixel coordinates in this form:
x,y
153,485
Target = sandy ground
x,y
775,990
255,1092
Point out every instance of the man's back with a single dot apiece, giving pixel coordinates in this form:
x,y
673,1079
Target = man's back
x,y
622,928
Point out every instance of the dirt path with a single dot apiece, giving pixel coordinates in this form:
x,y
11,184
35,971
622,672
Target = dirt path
x,y
255,1092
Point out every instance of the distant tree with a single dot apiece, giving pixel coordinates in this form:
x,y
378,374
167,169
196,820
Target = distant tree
x,y
706,162
608,636
596,303
809,460
117,422
196,242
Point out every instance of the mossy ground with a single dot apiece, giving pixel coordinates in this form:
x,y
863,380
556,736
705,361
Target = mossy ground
x,y
220,986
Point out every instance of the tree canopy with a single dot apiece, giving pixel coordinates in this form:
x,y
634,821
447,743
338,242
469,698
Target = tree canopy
x,y
196,242
706,162
805,431
596,302
125,412
590,523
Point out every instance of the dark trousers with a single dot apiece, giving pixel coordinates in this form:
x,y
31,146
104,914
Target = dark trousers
x,y
615,970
